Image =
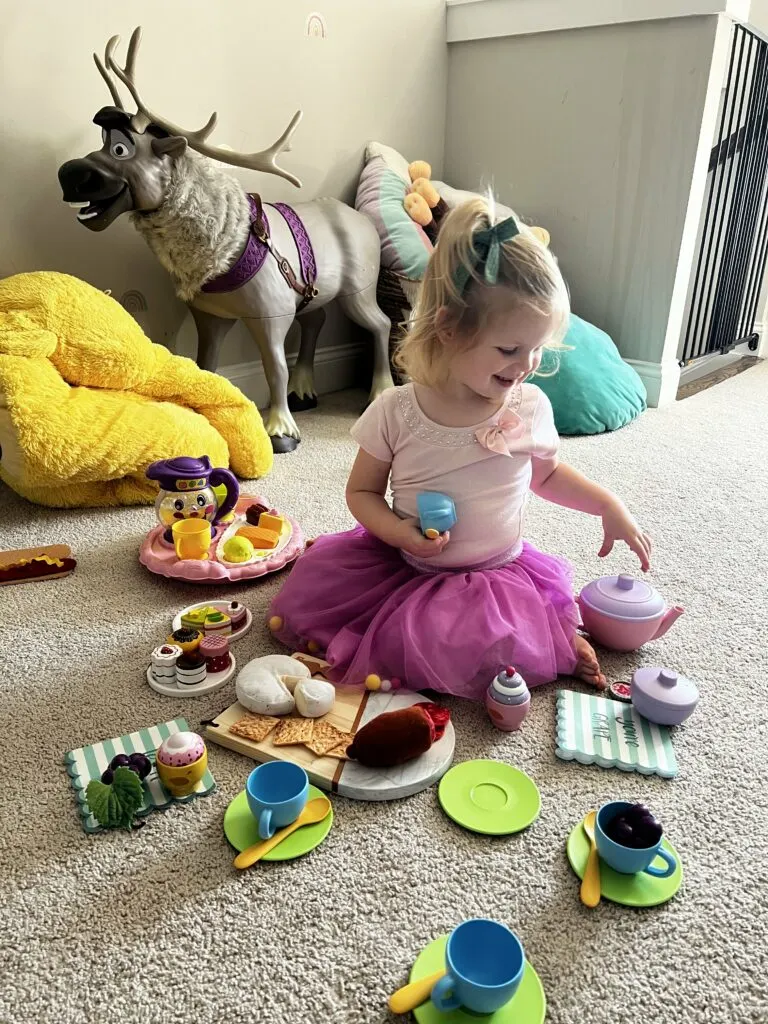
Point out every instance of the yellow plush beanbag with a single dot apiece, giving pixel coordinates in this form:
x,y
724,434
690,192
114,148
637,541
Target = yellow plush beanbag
x,y
87,401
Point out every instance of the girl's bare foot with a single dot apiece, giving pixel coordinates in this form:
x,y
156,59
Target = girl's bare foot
x,y
588,667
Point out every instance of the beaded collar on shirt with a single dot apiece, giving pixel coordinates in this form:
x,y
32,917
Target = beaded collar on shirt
x,y
445,437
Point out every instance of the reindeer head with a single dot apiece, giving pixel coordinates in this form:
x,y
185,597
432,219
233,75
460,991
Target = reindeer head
x,y
132,169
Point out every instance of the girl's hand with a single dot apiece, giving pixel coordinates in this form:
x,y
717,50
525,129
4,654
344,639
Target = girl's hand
x,y
618,524
408,537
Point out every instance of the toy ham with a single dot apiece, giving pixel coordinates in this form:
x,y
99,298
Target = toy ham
x,y
399,736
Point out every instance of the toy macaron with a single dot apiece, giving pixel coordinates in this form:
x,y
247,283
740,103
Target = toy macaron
x,y
181,762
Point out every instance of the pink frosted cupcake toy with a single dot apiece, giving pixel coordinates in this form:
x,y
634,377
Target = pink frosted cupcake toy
x,y
215,650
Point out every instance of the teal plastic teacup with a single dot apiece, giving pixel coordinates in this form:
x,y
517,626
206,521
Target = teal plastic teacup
x,y
625,859
277,792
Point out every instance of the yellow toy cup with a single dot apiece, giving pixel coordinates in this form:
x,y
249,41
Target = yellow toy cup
x,y
181,780
191,538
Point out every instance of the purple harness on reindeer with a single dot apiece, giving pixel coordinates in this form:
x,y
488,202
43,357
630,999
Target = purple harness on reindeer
x,y
259,245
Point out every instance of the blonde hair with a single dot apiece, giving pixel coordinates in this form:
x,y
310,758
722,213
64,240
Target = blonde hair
x,y
527,269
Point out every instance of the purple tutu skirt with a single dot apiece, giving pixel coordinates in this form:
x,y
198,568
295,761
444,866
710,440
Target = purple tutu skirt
x,y
368,611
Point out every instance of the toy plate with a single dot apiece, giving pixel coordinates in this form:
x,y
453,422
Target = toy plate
x,y
490,797
222,607
212,682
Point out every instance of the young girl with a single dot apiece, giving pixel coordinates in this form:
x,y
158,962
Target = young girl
x,y
448,613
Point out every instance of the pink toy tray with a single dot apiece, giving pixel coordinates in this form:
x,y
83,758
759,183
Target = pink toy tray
x,y
160,557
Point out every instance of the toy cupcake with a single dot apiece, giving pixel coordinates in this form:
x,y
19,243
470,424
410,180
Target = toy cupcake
x,y
191,669
215,650
164,660
217,623
185,638
181,762
236,613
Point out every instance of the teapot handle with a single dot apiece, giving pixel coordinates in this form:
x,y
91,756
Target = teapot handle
x,y
223,476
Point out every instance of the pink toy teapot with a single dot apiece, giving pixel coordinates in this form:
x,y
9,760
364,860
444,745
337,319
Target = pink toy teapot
x,y
623,613
186,491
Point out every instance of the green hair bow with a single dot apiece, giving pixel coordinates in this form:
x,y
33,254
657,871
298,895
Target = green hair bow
x,y
487,245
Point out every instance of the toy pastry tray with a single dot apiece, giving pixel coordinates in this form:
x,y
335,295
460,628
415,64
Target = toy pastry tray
x,y
159,555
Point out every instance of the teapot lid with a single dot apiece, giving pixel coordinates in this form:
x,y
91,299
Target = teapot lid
x,y
665,686
182,474
624,597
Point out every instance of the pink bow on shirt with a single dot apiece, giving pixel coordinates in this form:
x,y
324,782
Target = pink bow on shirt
x,y
500,435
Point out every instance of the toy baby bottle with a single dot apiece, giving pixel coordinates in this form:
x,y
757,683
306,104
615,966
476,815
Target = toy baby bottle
x,y
508,699
187,491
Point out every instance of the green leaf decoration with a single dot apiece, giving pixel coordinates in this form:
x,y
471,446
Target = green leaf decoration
x,y
97,795
115,806
129,793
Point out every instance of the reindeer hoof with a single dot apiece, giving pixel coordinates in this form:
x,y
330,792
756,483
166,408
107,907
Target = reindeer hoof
x,y
282,443
296,404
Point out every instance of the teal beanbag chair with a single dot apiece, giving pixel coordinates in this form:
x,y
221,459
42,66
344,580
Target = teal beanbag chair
x,y
593,389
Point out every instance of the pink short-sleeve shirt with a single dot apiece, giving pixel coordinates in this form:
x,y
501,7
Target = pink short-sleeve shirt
x,y
489,489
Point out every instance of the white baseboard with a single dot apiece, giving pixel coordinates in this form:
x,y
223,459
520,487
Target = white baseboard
x,y
337,367
661,380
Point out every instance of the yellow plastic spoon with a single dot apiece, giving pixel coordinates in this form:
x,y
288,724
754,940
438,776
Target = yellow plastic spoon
x,y
315,811
410,996
590,884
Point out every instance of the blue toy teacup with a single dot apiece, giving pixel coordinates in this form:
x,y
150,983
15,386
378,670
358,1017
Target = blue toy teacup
x,y
277,792
625,859
437,513
484,966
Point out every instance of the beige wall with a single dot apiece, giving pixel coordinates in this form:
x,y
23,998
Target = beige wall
x,y
593,134
380,73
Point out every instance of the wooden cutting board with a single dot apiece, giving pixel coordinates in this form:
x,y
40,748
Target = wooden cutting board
x,y
353,709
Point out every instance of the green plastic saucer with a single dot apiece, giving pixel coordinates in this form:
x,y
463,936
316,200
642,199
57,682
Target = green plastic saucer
x,y
242,831
527,1006
640,890
489,797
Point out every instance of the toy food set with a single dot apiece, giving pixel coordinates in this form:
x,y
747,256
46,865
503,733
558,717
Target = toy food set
x,y
480,964
508,699
620,852
437,513
662,696
227,618
192,663
595,730
623,613
279,721
205,534
111,762
49,562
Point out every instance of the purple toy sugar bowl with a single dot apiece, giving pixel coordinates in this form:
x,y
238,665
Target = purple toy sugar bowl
x,y
623,613
508,699
662,696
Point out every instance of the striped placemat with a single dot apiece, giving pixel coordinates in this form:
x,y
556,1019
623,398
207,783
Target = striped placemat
x,y
88,763
594,730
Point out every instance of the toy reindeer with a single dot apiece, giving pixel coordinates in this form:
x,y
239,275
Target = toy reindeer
x,y
231,257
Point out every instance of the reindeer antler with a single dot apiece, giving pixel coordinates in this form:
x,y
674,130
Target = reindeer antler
x,y
266,160
116,97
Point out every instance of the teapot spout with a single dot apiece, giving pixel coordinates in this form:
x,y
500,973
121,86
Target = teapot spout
x,y
669,619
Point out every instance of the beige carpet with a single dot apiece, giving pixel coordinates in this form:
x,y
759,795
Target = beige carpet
x,y
157,926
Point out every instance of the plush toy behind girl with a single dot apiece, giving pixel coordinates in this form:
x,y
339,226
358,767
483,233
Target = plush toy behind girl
x,y
446,613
